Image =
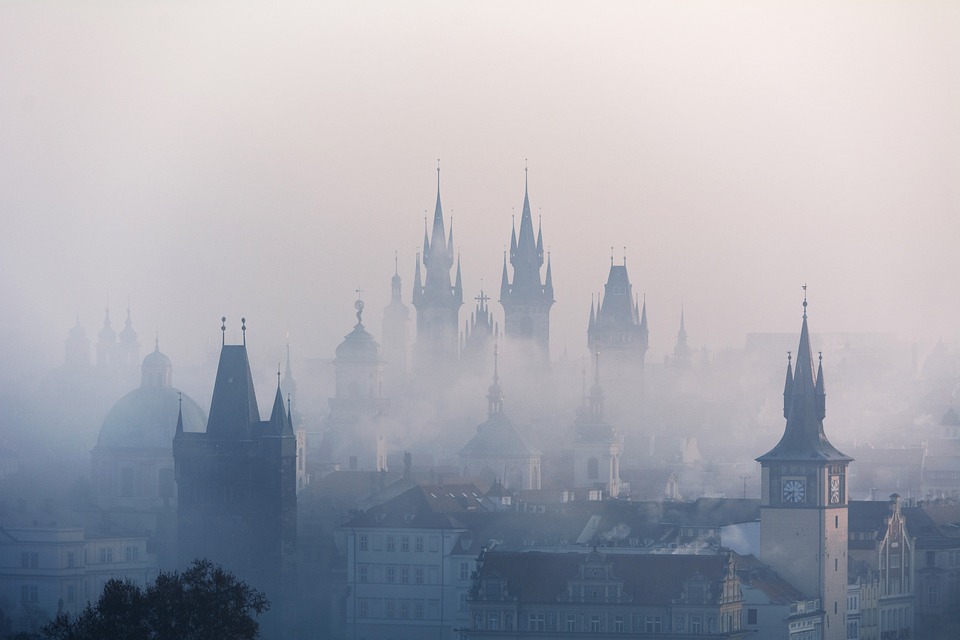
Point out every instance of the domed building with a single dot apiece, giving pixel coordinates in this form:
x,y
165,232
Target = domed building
x,y
352,435
133,458
498,451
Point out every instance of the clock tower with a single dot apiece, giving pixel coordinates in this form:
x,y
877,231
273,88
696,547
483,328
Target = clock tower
x,y
803,507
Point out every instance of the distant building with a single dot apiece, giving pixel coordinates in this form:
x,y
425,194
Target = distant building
x,y
437,301
618,325
527,300
396,334
479,334
941,461
498,451
596,451
586,595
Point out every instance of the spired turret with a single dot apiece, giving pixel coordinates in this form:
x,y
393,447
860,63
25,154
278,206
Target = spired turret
x,y
436,300
527,300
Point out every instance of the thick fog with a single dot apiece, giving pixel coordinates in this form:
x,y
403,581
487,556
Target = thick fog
x,y
196,160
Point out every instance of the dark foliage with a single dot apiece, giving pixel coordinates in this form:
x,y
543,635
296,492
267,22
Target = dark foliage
x,y
205,602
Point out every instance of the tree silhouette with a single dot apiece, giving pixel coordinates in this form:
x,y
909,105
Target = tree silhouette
x,y
205,602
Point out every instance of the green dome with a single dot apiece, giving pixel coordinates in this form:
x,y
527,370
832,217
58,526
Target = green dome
x,y
146,418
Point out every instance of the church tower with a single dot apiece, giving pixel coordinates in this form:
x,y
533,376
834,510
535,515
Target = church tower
x,y
681,352
396,329
619,325
527,300
596,452
803,506
128,348
479,332
106,345
437,301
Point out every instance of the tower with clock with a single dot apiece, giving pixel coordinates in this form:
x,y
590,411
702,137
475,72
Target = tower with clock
x,y
803,507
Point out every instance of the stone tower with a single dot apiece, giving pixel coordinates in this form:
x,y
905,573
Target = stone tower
x,y
436,300
527,300
803,504
236,482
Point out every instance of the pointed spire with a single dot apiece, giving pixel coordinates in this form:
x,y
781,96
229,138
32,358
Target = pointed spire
x,y
450,239
288,430
278,417
820,392
548,285
593,316
458,287
504,280
179,431
426,243
417,282
788,387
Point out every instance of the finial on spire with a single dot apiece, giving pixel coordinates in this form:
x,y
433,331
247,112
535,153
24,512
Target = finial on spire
x,y
525,174
820,356
180,399
804,300
156,341
789,357
358,305
243,329
396,263
611,256
624,255
223,330
438,174
278,375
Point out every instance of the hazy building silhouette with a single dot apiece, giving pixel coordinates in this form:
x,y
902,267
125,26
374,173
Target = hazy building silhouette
x,y
437,301
618,325
527,300
479,332
596,451
803,513
236,482
396,334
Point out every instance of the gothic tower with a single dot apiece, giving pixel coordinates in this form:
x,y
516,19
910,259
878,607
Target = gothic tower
x,y
619,325
803,506
236,482
437,301
527,300
681,352
478,335
396,323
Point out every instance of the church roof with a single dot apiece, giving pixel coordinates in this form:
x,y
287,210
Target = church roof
x,y
497,438
804,408
146,418
359,346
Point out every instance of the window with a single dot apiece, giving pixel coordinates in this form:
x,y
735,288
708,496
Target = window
x,y
418,575
404,575
933,595
418,609
595,623
363,543
391,574
493,622
106,554
391,609
537,622
132,553
362,607
404,609
653,624
418,543
571,622
751,616
28,593
391,543
696,624
405,543
362,573
618,624
462,602
464,570
894,560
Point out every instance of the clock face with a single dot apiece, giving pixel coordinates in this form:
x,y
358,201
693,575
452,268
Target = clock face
x,y
794,491
835,489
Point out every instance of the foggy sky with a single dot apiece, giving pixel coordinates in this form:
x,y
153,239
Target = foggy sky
x,y
214,158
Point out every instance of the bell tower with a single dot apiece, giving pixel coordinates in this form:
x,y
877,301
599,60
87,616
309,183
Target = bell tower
x,y
803,505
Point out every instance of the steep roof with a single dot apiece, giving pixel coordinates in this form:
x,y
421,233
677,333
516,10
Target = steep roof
x,y
803,438
233,409
497,438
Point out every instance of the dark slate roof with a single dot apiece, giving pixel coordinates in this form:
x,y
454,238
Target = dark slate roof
x,y
759,576
497,438
712,512
233,410
423,507
650,579
935,526
146,418
803,437
617,308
